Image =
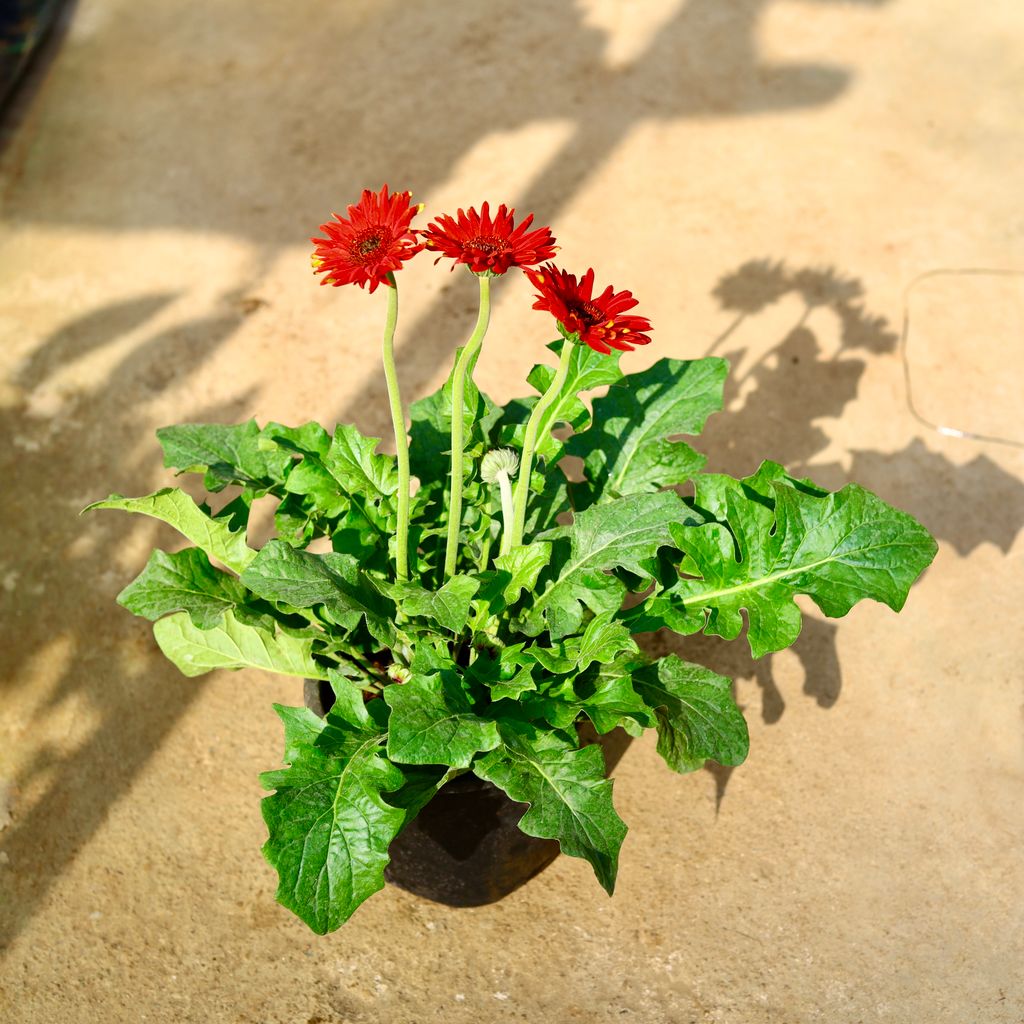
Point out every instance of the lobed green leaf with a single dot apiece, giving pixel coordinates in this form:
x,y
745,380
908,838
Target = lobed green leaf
x,y
521,568
698,720
231,644
601,641
449,606
302,579
182,581
226,453
779,541
625,533
353,462
177,509
588,369
329,824
570,799
433,722
605,695
628,448
611,701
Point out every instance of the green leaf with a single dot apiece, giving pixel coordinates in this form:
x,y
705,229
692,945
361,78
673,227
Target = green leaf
x,y
262,615
432,722
233,645
312,492
603,641
515,686
352,461
226,453
545,506
296,520
605,695
311,479
698,720
836,548
523,564
627,449
588,369
761,483
330,826
177,509
430,433
349,699
339,475
590,675
235,514
625,533
308,439
611,701
421,785
183,581
506,672
514,572
570,798
430,655
302,579
448,606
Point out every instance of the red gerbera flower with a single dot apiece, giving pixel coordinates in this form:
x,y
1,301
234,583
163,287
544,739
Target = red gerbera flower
x,y
484,244
368,244
602,322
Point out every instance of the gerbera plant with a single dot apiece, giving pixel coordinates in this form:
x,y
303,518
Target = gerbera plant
x,y
471,622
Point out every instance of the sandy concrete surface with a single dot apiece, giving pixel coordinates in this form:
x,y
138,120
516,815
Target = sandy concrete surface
x,y
768,176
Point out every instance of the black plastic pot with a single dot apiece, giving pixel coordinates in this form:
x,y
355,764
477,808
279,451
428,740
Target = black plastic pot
x,y
464,848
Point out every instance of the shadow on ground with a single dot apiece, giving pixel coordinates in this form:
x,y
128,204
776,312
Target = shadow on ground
x,y
789,389
100,667
345,101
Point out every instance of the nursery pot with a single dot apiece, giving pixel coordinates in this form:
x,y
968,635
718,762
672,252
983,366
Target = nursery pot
x,y
464,849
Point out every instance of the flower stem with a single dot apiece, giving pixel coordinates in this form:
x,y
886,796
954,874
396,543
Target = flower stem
x,y
514,537
465,361
401,438
507,511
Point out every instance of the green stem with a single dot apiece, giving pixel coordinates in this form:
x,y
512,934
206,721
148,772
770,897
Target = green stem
x,y
485,553
465,361
401,438
514,537
507,512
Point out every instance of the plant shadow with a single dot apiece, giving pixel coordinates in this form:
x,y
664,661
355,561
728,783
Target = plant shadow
x,y
776,407
396,100
97,663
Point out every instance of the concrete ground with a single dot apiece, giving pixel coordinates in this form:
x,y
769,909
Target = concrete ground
x,y
768,176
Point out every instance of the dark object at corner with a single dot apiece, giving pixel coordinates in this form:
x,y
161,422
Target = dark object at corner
x,y
24,24
464,849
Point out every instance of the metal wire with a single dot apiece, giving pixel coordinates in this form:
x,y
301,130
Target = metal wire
x,y
943,429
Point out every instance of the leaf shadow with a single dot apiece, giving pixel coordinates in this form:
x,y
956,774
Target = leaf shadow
x,y
815,649
87,334
776,409
105,667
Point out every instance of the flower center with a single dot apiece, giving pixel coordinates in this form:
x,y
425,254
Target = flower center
x,y
489,244
590,314
368,243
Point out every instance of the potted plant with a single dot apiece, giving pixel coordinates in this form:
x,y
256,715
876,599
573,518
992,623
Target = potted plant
x,y
469,631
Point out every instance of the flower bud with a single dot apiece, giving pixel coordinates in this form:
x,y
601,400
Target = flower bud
x,y
500,460
399,674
